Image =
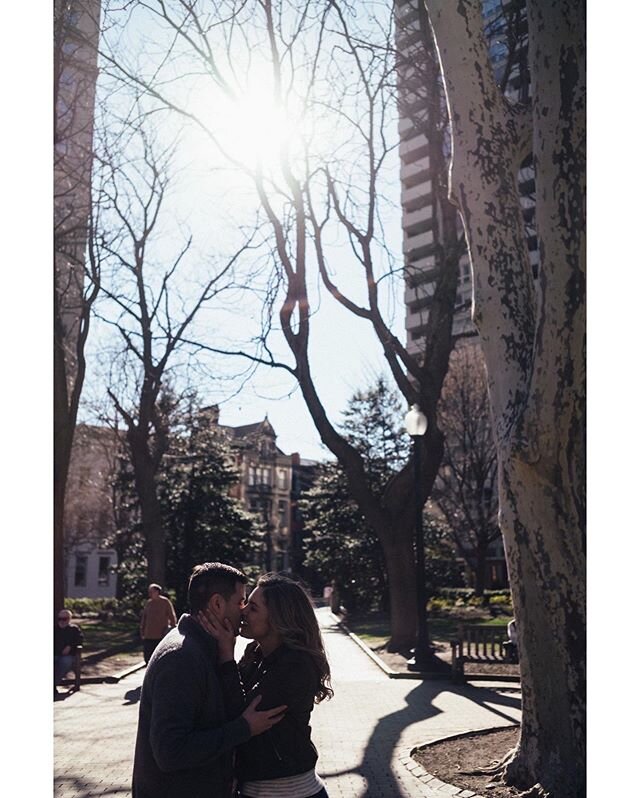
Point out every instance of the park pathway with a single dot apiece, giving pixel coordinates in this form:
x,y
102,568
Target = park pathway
x,y
363,733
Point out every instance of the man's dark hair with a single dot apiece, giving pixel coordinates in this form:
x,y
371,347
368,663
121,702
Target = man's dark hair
x,y
210,578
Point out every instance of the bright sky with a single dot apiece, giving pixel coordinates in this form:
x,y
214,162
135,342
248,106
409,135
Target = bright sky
x,y
213,200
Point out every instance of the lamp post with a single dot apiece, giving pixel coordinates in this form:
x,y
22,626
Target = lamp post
x,y
416,425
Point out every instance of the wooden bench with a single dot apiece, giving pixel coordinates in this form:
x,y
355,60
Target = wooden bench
x,y
478,644
77,670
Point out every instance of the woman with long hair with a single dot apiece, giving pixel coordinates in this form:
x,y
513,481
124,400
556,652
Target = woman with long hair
x,y
285,664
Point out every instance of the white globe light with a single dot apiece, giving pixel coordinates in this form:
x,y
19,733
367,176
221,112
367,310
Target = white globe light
x,y
415,421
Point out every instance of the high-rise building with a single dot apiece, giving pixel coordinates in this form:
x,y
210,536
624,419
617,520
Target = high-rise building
x,y
420,213
506,31
76,32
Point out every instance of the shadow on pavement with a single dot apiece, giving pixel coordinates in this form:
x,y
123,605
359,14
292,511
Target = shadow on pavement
x,y
62,695
132,696
380,751
376,764
82,787
484,696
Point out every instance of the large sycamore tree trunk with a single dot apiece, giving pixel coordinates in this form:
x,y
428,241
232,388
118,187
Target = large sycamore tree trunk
x,y
534,347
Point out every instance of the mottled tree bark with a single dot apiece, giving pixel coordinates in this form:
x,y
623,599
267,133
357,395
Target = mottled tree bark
x,y
534,347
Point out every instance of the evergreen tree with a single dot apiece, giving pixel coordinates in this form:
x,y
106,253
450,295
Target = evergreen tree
x,y
204,522
339,545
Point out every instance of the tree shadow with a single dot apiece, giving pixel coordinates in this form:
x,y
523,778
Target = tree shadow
x,y
375,766
132,696
62,695
83,787
381,750
484,696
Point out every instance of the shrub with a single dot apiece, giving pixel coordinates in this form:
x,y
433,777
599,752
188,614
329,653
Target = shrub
x,y
438,603
500,600
86,607
102,608
463,597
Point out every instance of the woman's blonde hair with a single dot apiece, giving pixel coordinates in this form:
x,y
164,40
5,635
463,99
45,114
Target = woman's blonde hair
x,y
292,616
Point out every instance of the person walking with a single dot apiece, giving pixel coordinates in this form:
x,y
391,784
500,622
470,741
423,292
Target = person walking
x,y
285,664
186,735
157,618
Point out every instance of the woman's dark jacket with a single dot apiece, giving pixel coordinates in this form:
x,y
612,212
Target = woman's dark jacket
x,y
185,734
290,677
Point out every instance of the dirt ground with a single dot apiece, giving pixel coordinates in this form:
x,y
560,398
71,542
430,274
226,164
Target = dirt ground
x,y
448,760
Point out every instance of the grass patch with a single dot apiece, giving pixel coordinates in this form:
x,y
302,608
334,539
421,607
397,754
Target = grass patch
x,y
99,635
374,629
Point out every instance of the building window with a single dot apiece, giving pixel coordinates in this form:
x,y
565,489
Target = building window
x,y
282,478
80,576
283,513
103,571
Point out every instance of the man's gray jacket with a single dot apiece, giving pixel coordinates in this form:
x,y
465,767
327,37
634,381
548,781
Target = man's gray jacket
x,y
185,740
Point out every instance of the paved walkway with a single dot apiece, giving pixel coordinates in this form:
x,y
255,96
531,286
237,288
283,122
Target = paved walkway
x,y
363,734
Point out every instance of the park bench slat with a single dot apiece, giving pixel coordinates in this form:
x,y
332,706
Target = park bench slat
x,y
477,644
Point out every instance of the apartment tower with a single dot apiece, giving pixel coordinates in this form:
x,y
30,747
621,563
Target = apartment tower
x,y
506,31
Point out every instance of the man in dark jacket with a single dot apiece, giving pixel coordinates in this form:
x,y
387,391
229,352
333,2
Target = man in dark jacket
x,y
66,638
185,738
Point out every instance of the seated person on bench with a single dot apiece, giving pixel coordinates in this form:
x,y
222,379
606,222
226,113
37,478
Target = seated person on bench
x,y
511,645
66,637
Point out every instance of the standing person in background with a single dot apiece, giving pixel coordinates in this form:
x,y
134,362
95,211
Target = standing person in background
x,y
66,638
286,664
157,618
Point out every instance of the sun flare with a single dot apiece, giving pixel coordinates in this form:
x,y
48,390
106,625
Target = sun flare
x,y
253,128
259,130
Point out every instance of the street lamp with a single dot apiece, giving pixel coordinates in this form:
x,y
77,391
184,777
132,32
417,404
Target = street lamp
x,y
416,425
